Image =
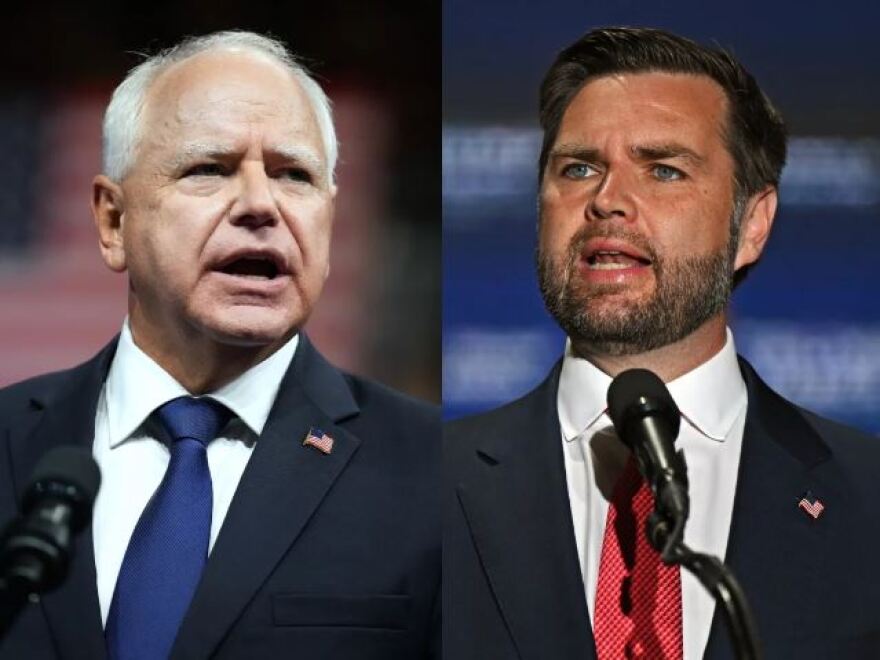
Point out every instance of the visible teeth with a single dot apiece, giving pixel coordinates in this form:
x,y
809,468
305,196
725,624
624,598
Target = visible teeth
x,y
609,265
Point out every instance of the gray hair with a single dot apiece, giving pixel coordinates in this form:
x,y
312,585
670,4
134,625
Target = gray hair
x,y
124,115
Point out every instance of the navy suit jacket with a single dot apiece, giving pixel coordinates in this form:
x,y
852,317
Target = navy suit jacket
x,y
512,585
320,556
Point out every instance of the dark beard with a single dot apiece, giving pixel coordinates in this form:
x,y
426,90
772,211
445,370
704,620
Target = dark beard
x,y
689,291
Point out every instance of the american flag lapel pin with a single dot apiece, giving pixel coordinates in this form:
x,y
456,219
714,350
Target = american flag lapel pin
x,y
319,440
811,504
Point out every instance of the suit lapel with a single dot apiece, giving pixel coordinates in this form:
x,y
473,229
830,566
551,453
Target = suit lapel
x,y
516,506
282,486
67,417
782,458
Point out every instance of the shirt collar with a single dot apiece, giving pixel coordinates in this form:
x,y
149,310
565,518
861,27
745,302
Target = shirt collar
x,y
136,385
583,390
710,397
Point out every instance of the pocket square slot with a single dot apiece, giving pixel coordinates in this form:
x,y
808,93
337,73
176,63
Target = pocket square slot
x,y
383,611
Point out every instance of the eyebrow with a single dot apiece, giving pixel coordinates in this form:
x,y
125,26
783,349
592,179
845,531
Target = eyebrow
x,y
576,151
667,150
297,154
644,152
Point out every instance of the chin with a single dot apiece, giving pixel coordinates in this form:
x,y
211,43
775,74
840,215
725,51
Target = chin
x,y
251,327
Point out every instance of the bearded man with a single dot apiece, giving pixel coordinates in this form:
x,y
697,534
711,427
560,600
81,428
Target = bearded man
x,y
659,175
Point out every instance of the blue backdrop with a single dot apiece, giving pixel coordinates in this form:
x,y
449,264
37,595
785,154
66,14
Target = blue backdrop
x,y
807,316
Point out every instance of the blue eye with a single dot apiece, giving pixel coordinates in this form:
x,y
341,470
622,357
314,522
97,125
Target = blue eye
x,y
578,171
667,173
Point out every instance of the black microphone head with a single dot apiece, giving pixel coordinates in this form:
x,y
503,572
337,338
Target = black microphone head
x,y
69,473
638,393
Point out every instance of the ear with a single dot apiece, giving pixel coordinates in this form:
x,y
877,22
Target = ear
x,y
331,217
108,209
756,225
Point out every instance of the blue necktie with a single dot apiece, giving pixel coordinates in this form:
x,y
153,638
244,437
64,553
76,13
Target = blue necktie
x,y
169,546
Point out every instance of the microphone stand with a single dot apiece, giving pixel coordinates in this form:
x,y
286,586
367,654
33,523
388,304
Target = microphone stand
x,y
647,420
665,534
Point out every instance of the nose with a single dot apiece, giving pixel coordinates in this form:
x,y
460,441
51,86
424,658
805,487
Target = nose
x,y
612,198
254,205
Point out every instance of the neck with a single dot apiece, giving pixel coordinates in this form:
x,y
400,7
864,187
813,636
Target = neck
x,y
198,362
668,362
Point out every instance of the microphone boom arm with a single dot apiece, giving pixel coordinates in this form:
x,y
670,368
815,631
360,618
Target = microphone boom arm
x,y
647,420
717,579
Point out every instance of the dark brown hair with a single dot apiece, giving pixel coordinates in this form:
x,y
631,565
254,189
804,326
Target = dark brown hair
x,y
755,133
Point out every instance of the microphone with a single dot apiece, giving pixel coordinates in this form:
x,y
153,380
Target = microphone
x,y
35,549
647,421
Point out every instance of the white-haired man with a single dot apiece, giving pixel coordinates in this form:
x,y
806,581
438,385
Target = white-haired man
x,y
256,502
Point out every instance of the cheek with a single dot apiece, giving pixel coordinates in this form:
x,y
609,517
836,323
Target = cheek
x,y
556,216
311,227
692,226
555,232
320,234
161,254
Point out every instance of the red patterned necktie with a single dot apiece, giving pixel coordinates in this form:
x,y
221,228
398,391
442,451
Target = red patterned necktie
x,y
638,598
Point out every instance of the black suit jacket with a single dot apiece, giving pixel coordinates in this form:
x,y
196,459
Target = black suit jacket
x,y
320,556
511,579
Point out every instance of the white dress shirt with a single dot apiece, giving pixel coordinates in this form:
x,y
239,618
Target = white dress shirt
x,y
712,400
133,461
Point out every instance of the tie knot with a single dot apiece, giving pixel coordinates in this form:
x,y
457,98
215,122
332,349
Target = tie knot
x,y
198,419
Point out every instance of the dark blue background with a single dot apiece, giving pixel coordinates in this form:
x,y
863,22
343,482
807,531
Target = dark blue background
x,y
807,316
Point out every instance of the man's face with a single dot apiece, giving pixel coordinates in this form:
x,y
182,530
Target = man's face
x,y
635,248
228,208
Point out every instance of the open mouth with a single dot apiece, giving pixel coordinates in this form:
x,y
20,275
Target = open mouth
x,y
615,260
255,268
